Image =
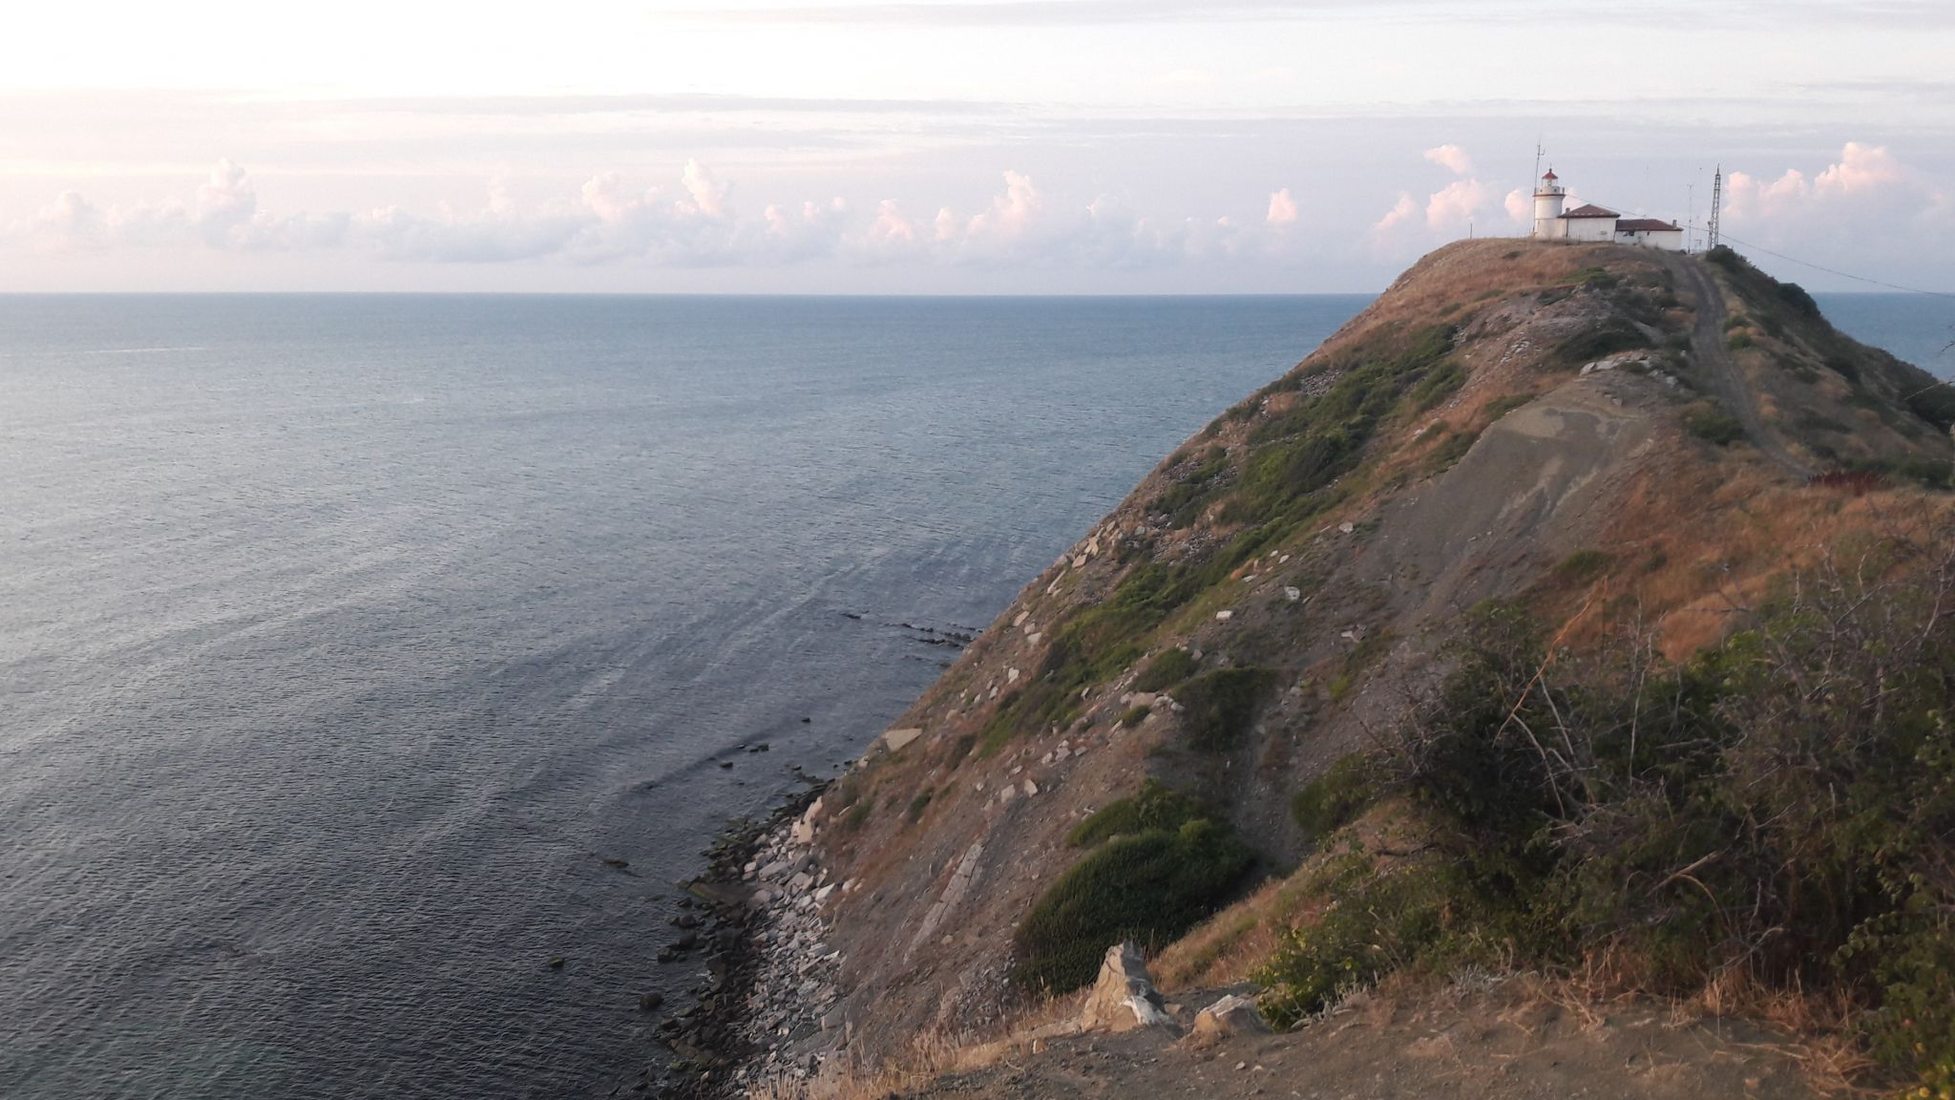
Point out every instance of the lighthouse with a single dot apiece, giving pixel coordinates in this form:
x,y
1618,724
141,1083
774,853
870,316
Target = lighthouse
x,y
1548,197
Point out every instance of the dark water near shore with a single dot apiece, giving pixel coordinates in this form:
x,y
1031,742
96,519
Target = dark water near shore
x,y
1916,327
343,639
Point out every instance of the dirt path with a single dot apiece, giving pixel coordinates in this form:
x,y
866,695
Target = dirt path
x,y
1494,1044
1708,346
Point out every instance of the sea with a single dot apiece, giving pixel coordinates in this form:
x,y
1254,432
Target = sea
x,y
362,656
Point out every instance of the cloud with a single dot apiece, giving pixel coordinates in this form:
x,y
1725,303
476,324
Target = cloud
x,y
1401,212
1452,158
550,106
1450,207
708,194
1868,189
1282,209
611,220
1520,206
1921,14
1445,212
222,214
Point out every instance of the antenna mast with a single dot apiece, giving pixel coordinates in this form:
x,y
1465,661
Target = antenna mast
x,y
1717,203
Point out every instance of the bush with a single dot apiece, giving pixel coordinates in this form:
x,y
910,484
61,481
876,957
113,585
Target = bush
x,y
1795,296
1583,566
1376,922
1601,340
1501,406
1155,807
1166,670
919,804
1297,455
1934,403
1330,801
1439,384
1193,488
1781,806
1221,704
1713,425
1149,887
1450,448
1928,473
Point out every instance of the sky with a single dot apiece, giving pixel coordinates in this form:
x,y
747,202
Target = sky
x,y
890,146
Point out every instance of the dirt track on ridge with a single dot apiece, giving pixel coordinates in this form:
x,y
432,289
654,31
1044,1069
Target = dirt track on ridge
x,y
1714,357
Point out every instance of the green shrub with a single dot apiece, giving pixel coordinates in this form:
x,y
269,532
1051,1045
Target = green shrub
x,y
854,818
1934,403
1333,799
1599,340
1501,406
1739,341
1149,887
1193,489
1296,456
1376,923
1599,277
1155,807
1783,804
1221,704
1165,671
1439,384
1134,716
1448,451
1583,566
1929,473
1795,296
1713,425
919,804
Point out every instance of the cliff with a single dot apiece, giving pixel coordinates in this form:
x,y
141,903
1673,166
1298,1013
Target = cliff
x,y
1594,438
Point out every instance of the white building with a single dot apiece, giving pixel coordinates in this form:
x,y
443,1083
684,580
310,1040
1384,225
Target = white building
x,y
1594,223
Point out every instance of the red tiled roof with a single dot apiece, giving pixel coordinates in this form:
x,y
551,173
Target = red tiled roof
x,y
1590,210
1647,225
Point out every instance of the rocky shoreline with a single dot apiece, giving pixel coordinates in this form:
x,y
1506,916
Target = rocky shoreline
x,y
770,1013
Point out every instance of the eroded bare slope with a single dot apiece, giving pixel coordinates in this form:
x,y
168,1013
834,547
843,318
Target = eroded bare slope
x,y
1525,422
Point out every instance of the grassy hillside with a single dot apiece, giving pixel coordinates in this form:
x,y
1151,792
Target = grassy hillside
x,y
1538,618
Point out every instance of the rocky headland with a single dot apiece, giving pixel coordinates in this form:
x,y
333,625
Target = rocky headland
x,y
1397,728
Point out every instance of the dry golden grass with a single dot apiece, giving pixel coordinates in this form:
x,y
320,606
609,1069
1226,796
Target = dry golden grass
x,y
937,1052
1698,545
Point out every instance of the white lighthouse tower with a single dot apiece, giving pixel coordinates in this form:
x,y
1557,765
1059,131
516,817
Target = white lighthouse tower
x,y
1548,197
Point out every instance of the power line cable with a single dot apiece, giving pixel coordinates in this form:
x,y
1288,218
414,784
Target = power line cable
x,y
1844,275
1819,267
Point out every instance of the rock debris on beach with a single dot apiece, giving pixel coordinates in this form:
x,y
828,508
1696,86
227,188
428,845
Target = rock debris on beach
x,y
795,1015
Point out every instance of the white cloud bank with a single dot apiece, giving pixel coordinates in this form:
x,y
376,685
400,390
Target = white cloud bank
x,y
1868,190
1452,158
1866,210
1448,212
697,224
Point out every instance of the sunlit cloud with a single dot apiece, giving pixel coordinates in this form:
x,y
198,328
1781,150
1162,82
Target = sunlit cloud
x,y
1867,195
612,220
1282,209
1452,158
1401,213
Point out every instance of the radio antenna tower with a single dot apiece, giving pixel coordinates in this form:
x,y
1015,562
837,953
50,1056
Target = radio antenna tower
x,y
1717,203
